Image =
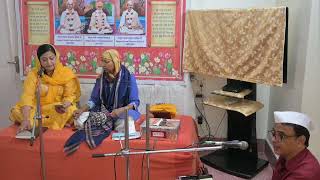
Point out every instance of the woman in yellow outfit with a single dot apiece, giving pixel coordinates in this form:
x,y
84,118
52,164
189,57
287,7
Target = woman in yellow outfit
x,y
59,92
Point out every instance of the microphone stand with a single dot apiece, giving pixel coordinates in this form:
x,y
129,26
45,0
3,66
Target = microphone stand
x,y
38,118
213,148
126,143
126,151
148,139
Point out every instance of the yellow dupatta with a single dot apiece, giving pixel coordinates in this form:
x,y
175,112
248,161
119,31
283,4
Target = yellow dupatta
x,y
61,75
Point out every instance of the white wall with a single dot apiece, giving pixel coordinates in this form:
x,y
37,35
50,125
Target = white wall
x,y
289,97
217,4
300,93
310,97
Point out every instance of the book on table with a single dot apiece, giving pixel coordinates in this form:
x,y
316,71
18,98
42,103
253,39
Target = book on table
x,y
26,134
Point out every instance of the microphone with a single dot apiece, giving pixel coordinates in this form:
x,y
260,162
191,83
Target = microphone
x,y
40,72
243,145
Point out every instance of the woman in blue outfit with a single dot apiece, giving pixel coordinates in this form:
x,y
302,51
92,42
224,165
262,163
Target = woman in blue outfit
x,y
115,90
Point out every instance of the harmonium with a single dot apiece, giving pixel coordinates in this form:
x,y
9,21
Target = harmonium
x,y
161,129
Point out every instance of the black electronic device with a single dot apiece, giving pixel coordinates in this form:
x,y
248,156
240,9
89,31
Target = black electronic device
x,y
236,86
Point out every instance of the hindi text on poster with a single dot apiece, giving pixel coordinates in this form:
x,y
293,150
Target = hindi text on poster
x,y
39,23
130,41
163,21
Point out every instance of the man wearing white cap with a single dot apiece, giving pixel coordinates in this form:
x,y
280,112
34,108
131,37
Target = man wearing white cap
x,y
290,141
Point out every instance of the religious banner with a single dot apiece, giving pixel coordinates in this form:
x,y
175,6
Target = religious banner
x,y
82,30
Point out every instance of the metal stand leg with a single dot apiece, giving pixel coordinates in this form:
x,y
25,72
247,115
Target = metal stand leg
x,y
43,163
126,142
148,139
38,118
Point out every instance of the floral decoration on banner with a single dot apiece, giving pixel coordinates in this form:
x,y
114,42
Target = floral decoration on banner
x,y
86,63
160,64
143,64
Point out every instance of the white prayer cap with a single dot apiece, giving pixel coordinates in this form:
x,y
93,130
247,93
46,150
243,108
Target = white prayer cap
x,y
70,1
293,118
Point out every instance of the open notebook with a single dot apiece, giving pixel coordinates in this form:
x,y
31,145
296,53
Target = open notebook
x,y
26,134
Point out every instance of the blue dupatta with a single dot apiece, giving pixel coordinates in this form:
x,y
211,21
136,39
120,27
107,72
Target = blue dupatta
x,y
105,96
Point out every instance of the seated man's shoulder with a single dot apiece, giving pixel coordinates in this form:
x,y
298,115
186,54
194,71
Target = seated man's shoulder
x,y
311,160
308,168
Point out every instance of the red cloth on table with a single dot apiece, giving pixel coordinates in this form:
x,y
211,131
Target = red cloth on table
x,y
19,160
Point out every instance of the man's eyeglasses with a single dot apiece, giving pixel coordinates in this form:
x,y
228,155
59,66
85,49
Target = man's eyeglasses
x,y
279,135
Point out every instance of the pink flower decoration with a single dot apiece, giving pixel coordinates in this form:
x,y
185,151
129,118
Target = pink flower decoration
x,y
63,58
136,60
167,56
92,54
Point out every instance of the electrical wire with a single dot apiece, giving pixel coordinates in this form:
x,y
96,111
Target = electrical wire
x,y
201,91
204,118
203,115
224,114
204,111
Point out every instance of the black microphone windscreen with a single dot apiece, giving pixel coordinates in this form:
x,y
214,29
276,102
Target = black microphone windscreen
x,y
40,72
98,155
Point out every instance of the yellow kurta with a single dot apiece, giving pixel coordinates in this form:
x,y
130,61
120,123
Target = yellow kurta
x,y
62,86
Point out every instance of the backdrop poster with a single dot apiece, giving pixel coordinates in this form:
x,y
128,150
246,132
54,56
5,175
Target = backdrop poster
x,y
147,33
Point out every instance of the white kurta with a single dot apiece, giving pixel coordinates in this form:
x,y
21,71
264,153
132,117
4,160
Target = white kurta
x,y
99,23
130,23
70,22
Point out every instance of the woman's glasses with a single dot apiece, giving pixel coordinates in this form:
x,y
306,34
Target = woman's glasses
x,y
279,135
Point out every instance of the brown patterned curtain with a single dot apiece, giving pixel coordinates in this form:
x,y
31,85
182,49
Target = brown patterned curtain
x,y
242,44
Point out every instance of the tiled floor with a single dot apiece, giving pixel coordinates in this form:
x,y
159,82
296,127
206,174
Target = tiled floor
x,y
265,174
